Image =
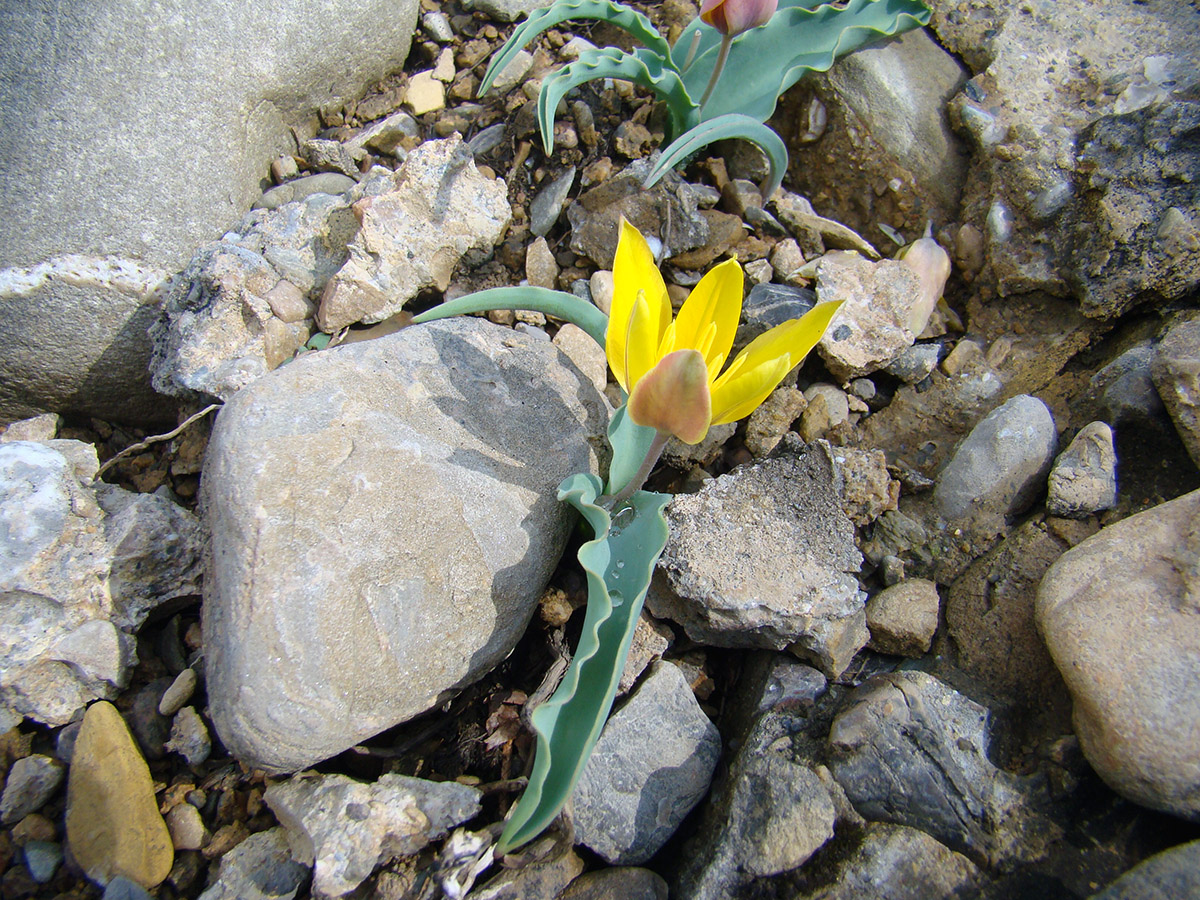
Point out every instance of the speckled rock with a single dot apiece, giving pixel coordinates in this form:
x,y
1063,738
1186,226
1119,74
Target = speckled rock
x,y
871,328
764,557
656,753
259,868
1164,876
1120,614
31,781
113,824
903,618
440,209
417,549
1084,478
346,829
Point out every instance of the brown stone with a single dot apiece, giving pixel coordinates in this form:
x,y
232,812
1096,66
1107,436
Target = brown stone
x,y
113,824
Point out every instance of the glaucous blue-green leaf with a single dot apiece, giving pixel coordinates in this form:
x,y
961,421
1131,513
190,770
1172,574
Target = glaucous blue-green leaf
x,y
618,563
630,444
552,303
764,62
731,125
641,67
543,19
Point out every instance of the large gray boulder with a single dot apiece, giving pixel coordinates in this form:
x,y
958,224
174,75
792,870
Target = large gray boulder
x,y
128,137
383,519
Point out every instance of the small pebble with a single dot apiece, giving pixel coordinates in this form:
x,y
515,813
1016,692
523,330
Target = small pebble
x,y
189,737
32,781
863,388
437,26
34,827
891,570
179,693
42,859
186,827
121,888
425,94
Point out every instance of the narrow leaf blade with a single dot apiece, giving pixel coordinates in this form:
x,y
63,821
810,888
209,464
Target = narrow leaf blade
x,y
731,125
543,19
619,564
553,303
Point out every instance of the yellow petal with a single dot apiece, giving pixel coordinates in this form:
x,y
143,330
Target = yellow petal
x,y
758,369
735,398
715,301
673,397
641,344
634,271
795,338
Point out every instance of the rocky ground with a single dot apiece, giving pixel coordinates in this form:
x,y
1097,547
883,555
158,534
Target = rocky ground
x,y
926,626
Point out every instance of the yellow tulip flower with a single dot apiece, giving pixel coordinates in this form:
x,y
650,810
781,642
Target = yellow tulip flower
x,y
671,369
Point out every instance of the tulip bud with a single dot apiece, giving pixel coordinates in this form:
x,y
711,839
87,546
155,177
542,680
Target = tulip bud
x,y
926,257
732,17
673,397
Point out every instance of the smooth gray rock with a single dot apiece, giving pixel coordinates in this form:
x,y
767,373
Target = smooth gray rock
x,y
894,862
81,566
128,138
882,125
437,211
300,189
1084,478
1120,614
1124,389
764,557
1001,465
1175,369
768,305
1164,876
912,751
383,519
915,363
1108,236
651,766
42,859
32,780
345,829
259,868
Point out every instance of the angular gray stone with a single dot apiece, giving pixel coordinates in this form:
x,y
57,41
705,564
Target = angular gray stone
x,y
81,567
771,811
872,326
222,325
546,207
671,206
893,862
912,751
887,132
107,192
1001,465
765,557
345,829
1164,876
383,519
1084,478
652,764
439,210
768,305
259,868
189,737
32,780
1120,613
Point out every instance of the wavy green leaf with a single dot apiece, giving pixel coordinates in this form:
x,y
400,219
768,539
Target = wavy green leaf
x,y
553,303
641,67
630,444
542,19
731,125
766,61
618,563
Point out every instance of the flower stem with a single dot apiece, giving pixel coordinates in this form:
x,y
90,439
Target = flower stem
x,y
691,54
722,55
639,477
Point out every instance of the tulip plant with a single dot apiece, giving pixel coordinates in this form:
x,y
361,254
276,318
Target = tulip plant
x,y
674,376
766,46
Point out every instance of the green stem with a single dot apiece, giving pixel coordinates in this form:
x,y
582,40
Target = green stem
x,y
722,55
639,477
